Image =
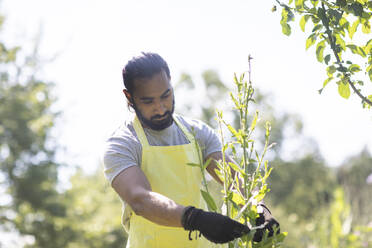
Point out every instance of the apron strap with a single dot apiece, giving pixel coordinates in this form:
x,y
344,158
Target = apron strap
x,y
189,135
140,133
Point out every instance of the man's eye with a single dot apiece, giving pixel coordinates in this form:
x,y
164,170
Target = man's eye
x,y
166,96
147,102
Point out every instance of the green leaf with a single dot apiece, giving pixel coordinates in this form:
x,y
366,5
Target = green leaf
x,y
319,50
362,1
354,68
237,105
235,79
340,41
233,131
193,164
341,69
224,148
268,129
341,3
315,2
352,47
352,29
330,70
219,174
368,46
286,17
366,27
327,58
205,165
237,168
369,70
311,40
357,50
209,200
317,27
303,22
357,8
254,121
343,22
327,81
369,4
344,90
286,29
299,4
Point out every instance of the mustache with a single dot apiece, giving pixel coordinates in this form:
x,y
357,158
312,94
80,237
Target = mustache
x,y
161,116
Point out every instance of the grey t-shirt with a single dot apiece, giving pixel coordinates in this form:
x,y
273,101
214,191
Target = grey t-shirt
x,y
124,150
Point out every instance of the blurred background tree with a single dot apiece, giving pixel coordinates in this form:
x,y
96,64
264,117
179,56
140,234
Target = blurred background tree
x,y
30,203
29,172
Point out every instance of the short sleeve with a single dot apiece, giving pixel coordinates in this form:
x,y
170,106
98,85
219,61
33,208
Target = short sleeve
x,y
207,138
121,152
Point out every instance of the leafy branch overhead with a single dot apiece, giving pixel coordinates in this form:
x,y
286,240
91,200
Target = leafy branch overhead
x,y
334,25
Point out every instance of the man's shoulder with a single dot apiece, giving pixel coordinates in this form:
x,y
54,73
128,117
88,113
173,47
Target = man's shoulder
x,y
124,133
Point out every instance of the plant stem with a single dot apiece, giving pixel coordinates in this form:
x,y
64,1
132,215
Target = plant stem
x,y
225,184
201,162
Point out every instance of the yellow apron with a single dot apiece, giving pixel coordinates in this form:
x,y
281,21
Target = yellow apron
x,y
168,173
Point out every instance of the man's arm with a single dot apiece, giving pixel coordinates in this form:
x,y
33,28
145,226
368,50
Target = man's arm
x,y
134,188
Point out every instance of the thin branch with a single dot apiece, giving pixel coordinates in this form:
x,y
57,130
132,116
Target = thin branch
x,y
333,47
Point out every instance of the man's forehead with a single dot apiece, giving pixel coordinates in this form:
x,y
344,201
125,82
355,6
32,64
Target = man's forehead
x,y
152,87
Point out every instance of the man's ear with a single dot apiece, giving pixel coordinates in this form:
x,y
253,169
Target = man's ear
x,y
129,97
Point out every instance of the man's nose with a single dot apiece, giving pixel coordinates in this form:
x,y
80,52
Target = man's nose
x,y
160,108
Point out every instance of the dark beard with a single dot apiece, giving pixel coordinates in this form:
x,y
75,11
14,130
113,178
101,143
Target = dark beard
x,y
155,124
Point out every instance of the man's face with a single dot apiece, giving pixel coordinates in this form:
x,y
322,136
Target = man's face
x,y
153,101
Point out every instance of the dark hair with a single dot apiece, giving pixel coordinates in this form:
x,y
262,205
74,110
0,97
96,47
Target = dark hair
x,y
144,66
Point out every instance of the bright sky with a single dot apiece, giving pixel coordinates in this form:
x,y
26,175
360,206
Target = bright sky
x,y
96,38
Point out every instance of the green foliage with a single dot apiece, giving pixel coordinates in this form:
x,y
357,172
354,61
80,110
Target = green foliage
x,y
291,182
333,228
334,25
352,176
28,169
85,215
94,215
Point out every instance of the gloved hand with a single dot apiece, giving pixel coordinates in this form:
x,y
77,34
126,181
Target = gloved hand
x,y
269,222
213,226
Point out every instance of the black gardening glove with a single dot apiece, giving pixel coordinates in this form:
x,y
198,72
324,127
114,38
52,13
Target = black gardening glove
x,y
269,222
215,227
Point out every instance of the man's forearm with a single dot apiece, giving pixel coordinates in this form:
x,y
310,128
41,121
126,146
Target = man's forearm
x,y
160,209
